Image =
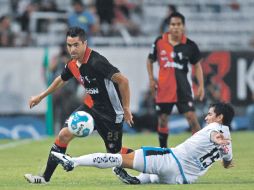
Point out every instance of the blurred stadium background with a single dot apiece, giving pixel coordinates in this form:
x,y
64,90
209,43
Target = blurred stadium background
x,y
32,34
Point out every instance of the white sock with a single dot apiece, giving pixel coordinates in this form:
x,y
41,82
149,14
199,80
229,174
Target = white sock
x,y
99,160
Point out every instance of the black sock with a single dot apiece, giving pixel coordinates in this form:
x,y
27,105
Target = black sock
x,y
163,139
52,164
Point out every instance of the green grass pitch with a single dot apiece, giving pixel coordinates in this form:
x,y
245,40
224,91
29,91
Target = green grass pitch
x,y
30,157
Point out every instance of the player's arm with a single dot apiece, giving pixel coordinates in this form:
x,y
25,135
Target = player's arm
x,y
152,57
56,84
200,78
123,85
218,138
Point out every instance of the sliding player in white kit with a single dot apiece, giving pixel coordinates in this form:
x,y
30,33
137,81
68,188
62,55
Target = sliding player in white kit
x,y
180,165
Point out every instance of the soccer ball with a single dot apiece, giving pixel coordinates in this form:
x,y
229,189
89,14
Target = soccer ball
x,y
81,124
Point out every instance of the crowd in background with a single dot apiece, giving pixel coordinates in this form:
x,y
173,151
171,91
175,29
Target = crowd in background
x,y
97,17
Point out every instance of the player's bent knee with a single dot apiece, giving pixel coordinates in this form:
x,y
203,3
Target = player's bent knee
x,y
65,136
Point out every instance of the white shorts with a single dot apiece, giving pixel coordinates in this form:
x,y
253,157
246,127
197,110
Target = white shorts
x,y
159,161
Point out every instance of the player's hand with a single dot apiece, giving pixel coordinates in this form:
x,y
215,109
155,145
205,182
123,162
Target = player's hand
x,y
34,100
128,117
219,139
201,93
227,164
153,87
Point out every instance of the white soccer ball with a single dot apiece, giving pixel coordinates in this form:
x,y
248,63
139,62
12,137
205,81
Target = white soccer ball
x,y
81,124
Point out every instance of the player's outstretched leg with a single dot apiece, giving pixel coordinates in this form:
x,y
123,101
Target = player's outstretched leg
x,y
99,160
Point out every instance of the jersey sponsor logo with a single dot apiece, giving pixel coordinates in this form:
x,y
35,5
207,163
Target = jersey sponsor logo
x,y
173,64
105,159
92,90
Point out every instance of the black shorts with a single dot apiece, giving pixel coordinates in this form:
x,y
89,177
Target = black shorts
x,y
166,108
110,131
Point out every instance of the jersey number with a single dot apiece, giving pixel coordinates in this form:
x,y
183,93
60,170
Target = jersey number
x,y
113,136
210,158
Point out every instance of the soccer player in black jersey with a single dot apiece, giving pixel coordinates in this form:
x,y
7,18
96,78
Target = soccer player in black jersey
x,y
108,98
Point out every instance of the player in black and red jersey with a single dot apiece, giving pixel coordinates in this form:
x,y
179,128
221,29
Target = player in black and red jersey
x,y
175,53
108,97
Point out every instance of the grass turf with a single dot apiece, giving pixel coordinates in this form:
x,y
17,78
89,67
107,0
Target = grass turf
x,y
30,157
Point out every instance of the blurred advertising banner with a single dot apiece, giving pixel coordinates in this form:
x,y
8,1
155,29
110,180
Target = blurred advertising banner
x,y
22,75
20,127
233,73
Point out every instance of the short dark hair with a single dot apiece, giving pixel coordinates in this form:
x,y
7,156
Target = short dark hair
x,y
226,110
79,2
172,8
178,15
76,32
3,17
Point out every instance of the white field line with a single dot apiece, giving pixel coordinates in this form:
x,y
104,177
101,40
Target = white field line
x,y
16,143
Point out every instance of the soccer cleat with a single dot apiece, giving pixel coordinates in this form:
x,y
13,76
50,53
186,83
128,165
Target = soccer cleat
x,y
35,179
124,176
64,160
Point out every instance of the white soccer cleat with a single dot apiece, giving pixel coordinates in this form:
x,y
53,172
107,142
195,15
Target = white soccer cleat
x,y
35,179
64,160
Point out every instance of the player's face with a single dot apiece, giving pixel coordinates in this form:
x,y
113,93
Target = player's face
x,y
75,47
211,117
176,26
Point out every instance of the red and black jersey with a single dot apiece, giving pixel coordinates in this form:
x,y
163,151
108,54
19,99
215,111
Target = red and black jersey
x,y
95,75
174,80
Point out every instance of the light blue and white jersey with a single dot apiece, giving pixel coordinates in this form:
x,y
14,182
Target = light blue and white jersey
x,y
198,152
